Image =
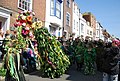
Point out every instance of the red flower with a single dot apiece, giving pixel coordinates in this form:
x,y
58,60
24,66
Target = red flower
x,y
22,21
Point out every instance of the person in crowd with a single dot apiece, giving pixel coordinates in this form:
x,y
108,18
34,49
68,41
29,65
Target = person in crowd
x,y
119,60
110,65
71,50
64,47
29,59
89,59
75,42
5,40
70,40
99,52
79,53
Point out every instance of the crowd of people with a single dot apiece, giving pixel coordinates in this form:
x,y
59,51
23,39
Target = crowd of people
x,y
92,56
89,56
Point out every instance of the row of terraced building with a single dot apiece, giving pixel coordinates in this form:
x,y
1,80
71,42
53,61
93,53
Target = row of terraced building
x,y
61,17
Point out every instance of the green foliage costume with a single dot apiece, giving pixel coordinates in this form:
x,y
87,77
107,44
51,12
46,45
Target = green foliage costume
x,y
54,62
79,52
89,61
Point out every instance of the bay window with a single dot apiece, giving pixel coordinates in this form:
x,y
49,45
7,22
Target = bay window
x,y
55,8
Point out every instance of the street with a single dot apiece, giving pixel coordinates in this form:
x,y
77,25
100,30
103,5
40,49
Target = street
x,y
71,75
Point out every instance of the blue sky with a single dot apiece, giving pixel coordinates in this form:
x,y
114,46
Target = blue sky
x,y
107,12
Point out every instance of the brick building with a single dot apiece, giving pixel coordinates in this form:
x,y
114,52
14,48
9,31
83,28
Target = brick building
x,y
67,18
10,8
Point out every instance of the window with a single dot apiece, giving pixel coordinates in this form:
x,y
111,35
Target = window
x,y
52,7
56,8
90,32
52,30
77,26
74,8
82,25
97,32
68,19
25,4
78,11
74,24
68,3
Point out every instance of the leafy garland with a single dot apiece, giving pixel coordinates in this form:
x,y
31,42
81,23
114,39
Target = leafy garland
x,y
54,62
89,60
79,51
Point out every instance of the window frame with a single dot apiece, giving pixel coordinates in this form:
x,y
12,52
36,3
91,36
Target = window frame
x,y
68,19
74,23
52,8
52,30
68,3
91,33
55,9
77,25
82,28
87,32
59,10
29,8
97,32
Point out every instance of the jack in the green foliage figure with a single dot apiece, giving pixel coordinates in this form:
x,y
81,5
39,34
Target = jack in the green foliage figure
x,y
89,59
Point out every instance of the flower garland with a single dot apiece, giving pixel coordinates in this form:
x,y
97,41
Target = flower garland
x,y
24,20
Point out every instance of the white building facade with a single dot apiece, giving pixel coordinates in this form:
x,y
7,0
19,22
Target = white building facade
x,y
75,25
85,31
54,17
82,26
99,31
89,32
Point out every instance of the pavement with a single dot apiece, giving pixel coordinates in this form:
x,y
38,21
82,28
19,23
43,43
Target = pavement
x,y
71,75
